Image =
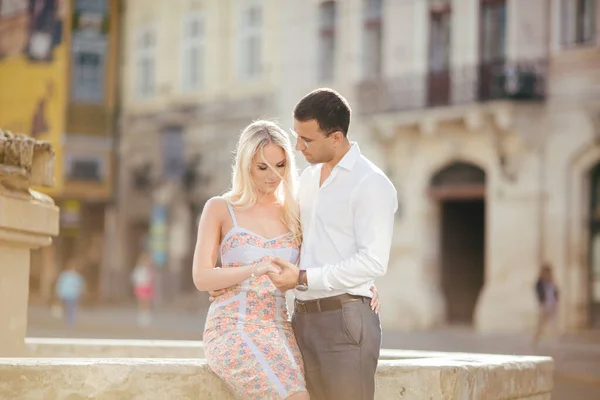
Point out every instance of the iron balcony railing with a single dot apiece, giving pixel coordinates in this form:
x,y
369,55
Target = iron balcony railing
x,y
520,81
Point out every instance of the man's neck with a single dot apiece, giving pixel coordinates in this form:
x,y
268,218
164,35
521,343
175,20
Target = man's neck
x,y
344,149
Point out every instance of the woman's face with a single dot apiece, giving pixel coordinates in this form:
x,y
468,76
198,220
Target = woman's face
x,y
265,179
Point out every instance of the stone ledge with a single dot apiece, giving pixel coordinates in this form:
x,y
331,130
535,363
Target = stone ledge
x,y
109,348
27,222
471,376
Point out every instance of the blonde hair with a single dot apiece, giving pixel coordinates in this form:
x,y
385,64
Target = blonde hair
x,y
243,193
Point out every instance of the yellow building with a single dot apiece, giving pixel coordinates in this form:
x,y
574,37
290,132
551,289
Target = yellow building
x,y
57,83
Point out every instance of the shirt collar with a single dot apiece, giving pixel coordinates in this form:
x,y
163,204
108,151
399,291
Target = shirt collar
x,y
347,162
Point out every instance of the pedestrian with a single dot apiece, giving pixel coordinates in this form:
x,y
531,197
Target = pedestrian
x,y
547,295
70,287
143,282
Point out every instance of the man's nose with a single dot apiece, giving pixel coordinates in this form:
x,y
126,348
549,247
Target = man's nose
x,y
300,144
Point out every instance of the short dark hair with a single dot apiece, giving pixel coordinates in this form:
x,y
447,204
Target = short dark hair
x,y
327,107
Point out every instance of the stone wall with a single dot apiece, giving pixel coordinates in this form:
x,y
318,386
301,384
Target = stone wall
x,y
440,377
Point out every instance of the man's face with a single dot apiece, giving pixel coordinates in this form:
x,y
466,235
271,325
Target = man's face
x,y
315,145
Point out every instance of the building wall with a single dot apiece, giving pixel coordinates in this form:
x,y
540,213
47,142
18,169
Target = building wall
x,y
38,76
210,118
536,156
33,74
412,145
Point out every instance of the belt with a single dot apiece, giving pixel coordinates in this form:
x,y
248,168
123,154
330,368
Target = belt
x,y
327,303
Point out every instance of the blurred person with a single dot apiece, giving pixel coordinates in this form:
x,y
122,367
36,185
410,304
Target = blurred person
x,y
547,294
69,289
142,278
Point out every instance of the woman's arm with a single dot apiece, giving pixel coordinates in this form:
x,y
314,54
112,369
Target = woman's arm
x,y
205,276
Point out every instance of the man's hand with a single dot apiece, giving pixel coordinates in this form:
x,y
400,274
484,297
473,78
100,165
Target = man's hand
x,y
375,304
288,276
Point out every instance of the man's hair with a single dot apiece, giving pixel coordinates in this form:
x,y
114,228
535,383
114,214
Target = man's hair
x,y
327,107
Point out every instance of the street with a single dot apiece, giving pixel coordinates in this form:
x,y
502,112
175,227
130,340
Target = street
x,y
577,356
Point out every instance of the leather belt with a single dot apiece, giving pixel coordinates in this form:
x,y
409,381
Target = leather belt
x,y
327,303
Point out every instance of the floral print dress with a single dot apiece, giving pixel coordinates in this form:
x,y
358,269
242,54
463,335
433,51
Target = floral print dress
x,y
248,337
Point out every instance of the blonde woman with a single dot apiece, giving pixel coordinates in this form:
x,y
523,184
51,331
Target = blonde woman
x,y
248,338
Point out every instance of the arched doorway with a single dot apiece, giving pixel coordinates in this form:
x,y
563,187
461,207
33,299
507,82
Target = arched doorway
x,y
594,246
459,190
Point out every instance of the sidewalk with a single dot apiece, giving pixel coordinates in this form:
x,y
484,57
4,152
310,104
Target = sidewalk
x,y
577,356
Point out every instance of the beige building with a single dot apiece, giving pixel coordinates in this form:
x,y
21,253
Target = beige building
x,y
194,74
484,113
486,116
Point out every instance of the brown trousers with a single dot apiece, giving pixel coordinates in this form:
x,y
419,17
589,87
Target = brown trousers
x,y
340,349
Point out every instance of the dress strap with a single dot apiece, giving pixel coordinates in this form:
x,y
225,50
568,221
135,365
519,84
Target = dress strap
x,y
231,213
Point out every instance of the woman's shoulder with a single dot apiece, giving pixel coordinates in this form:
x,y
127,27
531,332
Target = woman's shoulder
x,y
216,206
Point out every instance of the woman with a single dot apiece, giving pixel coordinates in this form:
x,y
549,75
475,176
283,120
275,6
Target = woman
x,y
248,338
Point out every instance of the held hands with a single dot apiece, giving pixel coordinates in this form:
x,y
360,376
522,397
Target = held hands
x,y
265,267
287,276
259,269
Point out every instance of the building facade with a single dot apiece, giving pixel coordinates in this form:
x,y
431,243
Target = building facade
x,y
58,73
195,74
484,113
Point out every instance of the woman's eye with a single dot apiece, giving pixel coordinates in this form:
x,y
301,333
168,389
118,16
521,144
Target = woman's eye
x,y
281,166
262,168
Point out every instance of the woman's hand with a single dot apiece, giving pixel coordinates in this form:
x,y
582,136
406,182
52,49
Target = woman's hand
x,y
265,267
259,269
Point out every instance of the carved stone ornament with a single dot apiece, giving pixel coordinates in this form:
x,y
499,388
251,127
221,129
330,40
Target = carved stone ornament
x,y
25,162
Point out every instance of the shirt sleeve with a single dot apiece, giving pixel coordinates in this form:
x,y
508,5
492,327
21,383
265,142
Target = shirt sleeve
x,y
374,203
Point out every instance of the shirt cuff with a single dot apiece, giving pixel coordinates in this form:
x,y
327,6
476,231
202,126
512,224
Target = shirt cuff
x,y
316,279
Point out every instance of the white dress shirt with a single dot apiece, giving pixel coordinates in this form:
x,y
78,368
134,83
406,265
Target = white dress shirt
x,y
347,226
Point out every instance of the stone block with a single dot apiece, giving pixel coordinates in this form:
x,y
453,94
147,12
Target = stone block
x,y
402,374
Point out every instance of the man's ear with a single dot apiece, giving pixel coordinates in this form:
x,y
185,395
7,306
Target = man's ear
x,y
338,138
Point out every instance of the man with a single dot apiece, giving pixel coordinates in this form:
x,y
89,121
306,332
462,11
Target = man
x,y
347,208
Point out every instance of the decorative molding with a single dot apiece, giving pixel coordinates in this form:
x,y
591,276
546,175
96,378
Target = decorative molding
x,y
24,162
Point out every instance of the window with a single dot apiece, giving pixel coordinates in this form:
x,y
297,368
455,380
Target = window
x,y
372,40
146,63
172,152
89,50
88,72
440,36
250,45
327,22
85,168
493,27
578,22
193,52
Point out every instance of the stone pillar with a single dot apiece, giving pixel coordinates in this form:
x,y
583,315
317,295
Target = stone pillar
x,y
28,220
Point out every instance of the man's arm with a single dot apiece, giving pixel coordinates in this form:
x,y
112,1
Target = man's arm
x,y
374,204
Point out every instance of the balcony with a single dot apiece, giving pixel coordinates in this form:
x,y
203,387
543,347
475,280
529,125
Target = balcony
x,y
517,81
